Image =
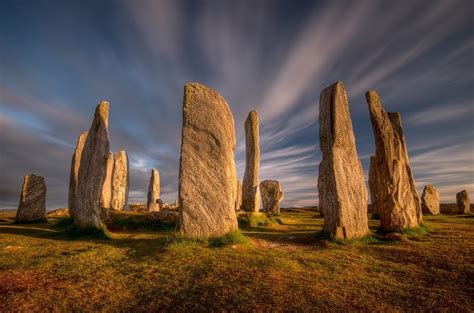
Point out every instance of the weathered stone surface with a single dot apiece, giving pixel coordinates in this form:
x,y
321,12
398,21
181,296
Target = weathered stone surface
x,y
238,195
154,191
32,206
74,174
430,200
250,190
343,195
392,187
272,196
207,171
463,201
106,196
120,182
92,170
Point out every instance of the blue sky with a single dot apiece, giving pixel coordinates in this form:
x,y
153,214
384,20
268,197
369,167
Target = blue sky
x,y
58,59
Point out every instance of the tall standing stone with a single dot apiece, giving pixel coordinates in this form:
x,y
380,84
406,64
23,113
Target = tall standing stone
x,y
392,187
207,173
272,196
250,190
106,197
74,174
238,196
120,182
430,200
463,201
341,184
93,170
154,191
32,206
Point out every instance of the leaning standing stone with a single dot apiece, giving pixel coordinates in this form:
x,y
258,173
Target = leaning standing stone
x,y
74,174
32,206
341,184
250,191
430,200
120,181
392,187
154,191
207,171
464,202
272,196
93,170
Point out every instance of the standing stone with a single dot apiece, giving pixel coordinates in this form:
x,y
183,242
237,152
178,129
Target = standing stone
x,y
74,174
272,196
32,206
93,170
120,182
106,197
207,173
341,184
392,187
464,202
430,200
154,191
238,196
250,191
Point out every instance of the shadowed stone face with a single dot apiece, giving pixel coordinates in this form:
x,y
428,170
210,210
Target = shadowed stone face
x,y
464,202
392,187
154,191
430,200
272,196
250,191
342,193
120,182
74,174
32,206
92,170
207,174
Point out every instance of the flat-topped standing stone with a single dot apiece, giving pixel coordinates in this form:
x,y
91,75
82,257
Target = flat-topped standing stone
x,y
250,190
32,206
93,170
106,197
154,191
342,192
74,174
272,196
120,182
238,196
392,187
430,200
463,201
207,171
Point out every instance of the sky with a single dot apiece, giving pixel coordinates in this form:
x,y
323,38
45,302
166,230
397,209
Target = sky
x,y
58,59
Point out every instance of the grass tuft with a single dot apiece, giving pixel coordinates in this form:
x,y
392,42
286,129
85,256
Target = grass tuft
x,y
254,219
416,232
231,238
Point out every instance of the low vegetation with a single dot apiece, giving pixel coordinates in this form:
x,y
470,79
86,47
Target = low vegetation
x,y
269,265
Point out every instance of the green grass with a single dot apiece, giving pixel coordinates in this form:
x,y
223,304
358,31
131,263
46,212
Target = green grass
x,y
280,265
254,219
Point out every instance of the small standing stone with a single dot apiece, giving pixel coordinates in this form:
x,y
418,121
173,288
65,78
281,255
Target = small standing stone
x,y
238,197
250,191
120,182
430,200
74,174
464,202
106,196
32,206
154,191
272,196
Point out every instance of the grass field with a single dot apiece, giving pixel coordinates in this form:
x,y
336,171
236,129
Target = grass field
x,y
280,264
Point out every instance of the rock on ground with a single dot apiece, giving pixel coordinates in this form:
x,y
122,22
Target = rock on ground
x,y
343,196
120,182
93,170
392,187
463,201
32,206
154,191
250,190
430,200
165,216
207,171
74,174
272,196
64,212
